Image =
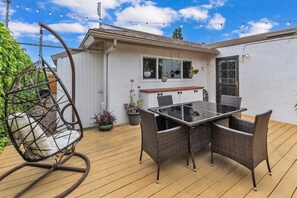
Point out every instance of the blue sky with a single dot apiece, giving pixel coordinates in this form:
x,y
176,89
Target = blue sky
x,y
204,21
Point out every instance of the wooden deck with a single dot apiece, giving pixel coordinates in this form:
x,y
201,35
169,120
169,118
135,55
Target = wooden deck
x,y
115,171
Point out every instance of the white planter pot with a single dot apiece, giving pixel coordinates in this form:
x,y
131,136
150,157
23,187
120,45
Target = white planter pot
x,y
147,74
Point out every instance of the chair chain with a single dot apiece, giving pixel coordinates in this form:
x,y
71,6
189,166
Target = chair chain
x,y
40,43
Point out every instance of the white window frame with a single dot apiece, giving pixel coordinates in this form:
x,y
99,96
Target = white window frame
x,y
182,79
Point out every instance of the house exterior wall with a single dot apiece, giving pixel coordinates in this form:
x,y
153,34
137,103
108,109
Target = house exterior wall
x,y
125,63
267,79
89,83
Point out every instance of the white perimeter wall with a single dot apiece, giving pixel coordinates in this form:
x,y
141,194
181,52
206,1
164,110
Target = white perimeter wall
x,y
267,79
89,75
125,64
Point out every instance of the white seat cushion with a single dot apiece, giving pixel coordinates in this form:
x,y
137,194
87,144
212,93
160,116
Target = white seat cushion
x,y
62,140
28,130
36,143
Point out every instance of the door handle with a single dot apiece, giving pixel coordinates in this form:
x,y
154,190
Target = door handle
x,y
237,84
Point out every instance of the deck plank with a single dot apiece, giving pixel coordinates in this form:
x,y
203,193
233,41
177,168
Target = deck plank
x,y
268,183
115,171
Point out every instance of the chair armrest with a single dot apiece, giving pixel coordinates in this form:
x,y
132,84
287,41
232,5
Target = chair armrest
x,y
223,129
178,129
241,125
179,132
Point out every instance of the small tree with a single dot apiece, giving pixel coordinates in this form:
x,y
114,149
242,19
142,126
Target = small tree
x,y
12,60
177,33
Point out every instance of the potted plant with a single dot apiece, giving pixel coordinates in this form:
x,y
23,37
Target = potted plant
x,y
104,120
133,105
146,71
193,71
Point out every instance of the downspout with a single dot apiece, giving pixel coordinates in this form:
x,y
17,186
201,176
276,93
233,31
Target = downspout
x,y
107,52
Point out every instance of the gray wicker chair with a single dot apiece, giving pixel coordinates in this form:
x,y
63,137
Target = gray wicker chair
x,y
165,100
234,101
245,142
161,143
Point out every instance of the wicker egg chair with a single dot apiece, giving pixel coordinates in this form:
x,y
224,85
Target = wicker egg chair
x,y
43,124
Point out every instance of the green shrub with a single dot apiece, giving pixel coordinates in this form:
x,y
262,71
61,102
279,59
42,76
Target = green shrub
x,y
12,60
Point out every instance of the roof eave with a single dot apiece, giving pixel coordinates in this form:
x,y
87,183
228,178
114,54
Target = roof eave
x,y
254,38
137,40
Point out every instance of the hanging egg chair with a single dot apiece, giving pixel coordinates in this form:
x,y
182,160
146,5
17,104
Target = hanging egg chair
x,y
43,123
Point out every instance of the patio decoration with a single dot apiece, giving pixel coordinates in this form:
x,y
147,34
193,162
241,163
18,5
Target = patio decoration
x,y
104,120
42,124
147,72
133,105
193,71
244,56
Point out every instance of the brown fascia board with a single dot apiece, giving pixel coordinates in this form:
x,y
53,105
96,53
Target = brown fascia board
x,y
254,38
136,40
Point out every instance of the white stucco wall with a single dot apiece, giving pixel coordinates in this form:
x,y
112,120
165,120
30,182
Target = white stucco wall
x,y
125,64
267,79
89,83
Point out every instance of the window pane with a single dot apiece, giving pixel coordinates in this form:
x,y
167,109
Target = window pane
x,y
187,65
169,68
149,68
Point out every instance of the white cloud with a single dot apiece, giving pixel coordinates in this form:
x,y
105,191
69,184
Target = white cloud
x,y
214,4
194,13
93,24
153,29
264,25
2,8
24,29
148,12
207,6
218,3
68,27
217,22
3,11
51,38
88,8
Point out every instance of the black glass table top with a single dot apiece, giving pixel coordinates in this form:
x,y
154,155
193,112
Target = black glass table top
x,y
197,112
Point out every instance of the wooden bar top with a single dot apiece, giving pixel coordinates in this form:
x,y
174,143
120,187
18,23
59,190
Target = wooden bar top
x,y
157,90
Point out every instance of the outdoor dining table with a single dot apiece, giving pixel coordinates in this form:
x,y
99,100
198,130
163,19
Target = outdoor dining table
x,y
193,114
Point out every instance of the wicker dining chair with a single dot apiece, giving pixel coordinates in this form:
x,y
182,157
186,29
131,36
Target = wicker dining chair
x,y
243,141
165,100
234,101
161,143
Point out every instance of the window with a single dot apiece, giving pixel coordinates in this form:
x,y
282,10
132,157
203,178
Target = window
x,y
149,68
154,68
170,68
187,65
